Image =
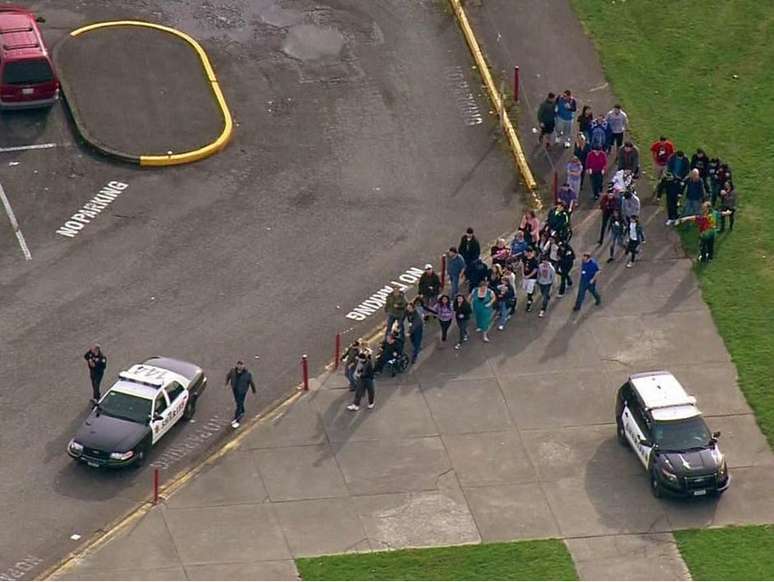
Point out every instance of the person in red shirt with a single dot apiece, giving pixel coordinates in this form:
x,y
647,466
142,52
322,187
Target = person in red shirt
x,y
596,166
661,151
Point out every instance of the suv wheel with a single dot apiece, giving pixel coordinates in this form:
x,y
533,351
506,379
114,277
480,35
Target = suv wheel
x,y
621,435
190,408
655,484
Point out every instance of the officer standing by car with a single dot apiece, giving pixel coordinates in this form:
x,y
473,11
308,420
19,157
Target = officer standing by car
x,y
97,362
240,379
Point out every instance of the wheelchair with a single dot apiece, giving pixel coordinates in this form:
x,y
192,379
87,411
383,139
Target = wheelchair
x,y
396,365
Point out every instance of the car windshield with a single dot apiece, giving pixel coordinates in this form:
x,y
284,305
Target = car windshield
x,y
29,72
126,407
680,435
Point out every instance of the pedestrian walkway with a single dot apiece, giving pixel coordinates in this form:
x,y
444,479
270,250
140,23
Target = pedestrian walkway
x,y
501,441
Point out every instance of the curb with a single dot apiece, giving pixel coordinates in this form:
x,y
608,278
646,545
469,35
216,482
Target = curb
x,y
171,159
497,103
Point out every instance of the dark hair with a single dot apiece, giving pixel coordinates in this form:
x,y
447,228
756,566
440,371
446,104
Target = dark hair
x,y
617,106
680,153
469,230
551,95
585,109
662,138
628,144
452,249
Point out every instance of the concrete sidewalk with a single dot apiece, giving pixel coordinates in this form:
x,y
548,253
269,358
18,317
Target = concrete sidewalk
x,y
514,439
508,440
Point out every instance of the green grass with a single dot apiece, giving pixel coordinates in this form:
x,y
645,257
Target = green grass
x,y
673,65
532,560
731,553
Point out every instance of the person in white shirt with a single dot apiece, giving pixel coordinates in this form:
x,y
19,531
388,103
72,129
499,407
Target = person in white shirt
x,y
634,236
618,122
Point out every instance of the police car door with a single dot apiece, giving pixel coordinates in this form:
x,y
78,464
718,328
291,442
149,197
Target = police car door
x,y
178,397
160,420
636,431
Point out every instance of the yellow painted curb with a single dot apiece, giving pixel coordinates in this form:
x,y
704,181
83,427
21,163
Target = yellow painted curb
x,y
497,102
228,124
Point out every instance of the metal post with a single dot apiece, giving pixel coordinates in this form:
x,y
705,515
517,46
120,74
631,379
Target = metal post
x,y
556,186
338,351
155,486
516,84
305,371
443,270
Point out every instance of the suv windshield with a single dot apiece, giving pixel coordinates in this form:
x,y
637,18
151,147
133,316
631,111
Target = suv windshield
x,y
29,72
680,435
126,407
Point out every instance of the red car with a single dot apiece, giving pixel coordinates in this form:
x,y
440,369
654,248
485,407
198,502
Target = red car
x,y
27,77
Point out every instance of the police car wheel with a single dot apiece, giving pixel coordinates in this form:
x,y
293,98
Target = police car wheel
x,y
190,408
621,435
142,454
655,485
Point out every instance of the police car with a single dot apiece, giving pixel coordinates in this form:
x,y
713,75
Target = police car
x,y
661,423
141,407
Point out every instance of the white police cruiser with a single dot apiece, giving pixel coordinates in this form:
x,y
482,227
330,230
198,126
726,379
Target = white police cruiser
x,y
147,400
660,421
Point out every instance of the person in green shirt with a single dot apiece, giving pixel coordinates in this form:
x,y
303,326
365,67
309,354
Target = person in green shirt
x,y
707,223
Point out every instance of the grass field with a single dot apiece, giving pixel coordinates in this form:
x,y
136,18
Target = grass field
x,y
731,553
699,73
533,560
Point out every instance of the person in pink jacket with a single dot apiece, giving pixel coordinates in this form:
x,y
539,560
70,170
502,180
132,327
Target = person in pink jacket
x,y
596,166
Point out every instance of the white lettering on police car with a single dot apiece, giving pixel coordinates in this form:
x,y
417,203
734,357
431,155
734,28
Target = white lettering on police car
x,y
91,209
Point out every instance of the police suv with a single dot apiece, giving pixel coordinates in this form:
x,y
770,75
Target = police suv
x,y
660,421
141,407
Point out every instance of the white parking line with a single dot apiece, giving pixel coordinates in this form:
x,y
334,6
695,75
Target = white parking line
x,y
15,225
40,146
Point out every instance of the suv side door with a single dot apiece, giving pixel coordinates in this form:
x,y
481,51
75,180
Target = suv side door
x,y
160,416
636,428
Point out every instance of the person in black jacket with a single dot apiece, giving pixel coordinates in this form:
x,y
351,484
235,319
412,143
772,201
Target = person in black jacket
x,y
469,247
564,266
462,314
364,372
97,362
429,287
239,379
476,272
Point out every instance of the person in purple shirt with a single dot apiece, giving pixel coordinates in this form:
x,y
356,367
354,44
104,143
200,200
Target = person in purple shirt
x,y
568,196
589,270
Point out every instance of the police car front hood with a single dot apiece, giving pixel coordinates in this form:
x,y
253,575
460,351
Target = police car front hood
x,y
694,462
110,434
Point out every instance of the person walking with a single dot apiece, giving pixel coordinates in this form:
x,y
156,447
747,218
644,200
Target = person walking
x,y
350,361
455,267
630,205
97,362
416,328
629,159
529,268
600,134
575,175
700,161
707,223
545,278
500,253
564,266
462,313
618,122
568,197
588,281
679,165
364,373
608,204
695,194
585,119
546,117
566,107
518,247
673,187
482,303
476,272
596,166
240,380
581,151
530,226
445,313
727,205
395,308
429,287
469,247
661,151
635,237
505,299
617,230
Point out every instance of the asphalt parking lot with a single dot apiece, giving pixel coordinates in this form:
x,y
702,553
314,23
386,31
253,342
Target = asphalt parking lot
x,y
361,149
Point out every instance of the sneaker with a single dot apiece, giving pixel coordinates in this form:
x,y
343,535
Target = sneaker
x,y
370,406
501,327
599,243
457,346
353,407
629,265
542,313
486,339
466,338
478,329
235,424
597,303
667,222
529,308
560,294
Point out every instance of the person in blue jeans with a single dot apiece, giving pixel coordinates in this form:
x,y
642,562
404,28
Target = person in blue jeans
x,y
455,266
589,270
416,329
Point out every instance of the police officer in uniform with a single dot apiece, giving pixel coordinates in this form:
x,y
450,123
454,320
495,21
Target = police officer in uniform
x,y
97,362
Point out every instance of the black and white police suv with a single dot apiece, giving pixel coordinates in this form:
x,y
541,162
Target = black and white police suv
x,y
140,408
662,424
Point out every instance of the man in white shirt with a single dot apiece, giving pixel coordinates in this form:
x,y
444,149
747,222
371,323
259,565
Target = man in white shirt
x,y
618,122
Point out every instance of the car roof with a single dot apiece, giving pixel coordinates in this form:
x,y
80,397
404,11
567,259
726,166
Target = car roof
x,y
664,396
135,389
185,369
154,377
19,35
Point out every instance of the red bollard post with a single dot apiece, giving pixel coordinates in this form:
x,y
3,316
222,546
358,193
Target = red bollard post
x,y
155,486
556,186
443,270
516,84
305,371
337,356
